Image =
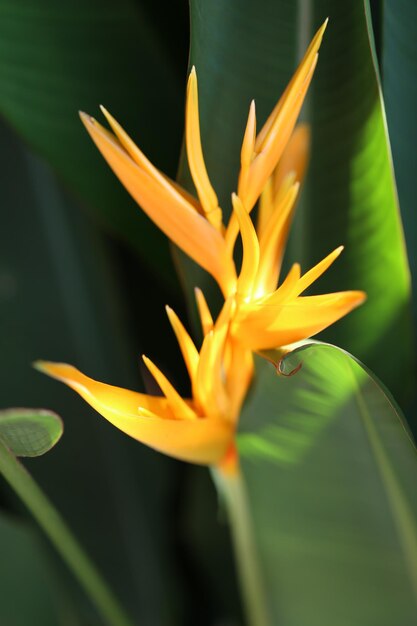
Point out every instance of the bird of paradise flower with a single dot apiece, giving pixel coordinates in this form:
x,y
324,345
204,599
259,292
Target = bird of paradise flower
x,y
260,311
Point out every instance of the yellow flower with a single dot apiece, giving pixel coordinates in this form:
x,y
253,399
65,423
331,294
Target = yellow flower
x,y
200,429
272,164
256,314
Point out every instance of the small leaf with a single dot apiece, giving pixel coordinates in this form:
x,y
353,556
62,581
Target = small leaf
x,y
30,432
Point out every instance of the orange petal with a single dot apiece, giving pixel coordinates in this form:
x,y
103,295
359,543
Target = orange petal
x,y
239,375
137,155
169,210
296,81
203,311
179,407
202,441
210,388
250,260
294,158
186,344
316,271
285,291
248,147
277,130
296,320
273,241
198,170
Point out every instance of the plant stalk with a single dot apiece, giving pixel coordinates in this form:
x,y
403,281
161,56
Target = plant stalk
x,y
58,532
231,489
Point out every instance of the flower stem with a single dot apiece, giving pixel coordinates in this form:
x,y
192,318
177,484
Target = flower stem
x,y
231,488
60,535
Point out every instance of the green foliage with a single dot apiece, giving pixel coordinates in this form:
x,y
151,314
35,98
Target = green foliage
x,y
30,432
330,470
60,535
24,567
399,64
61,298
328,461
349,197
57,59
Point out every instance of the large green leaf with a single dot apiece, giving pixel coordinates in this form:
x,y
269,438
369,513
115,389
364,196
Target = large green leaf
x,y
57,59
399,66
331,472
249,50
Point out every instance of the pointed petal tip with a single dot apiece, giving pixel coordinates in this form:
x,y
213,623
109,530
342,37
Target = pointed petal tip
x,y
40,365
86,118
51,368
361,297
323,28
170,313
105,112
192,77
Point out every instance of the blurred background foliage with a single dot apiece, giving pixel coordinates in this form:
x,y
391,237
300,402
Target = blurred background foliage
x,y
84,274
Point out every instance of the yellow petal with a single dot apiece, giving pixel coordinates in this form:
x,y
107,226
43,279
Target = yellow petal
x,y
290,169
203,311
210,384
198,170
239,375
265,162
137,155
250,260
180,408
247,151
316,271
117,399
286,290
277,130
264,311
202,441
294,158
186,344
296,320
266,205
169,210
273,241
295,82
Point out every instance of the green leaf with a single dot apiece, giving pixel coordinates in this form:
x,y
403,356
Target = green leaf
x,y
350,198
331,472
30,432
55,60
249,50
29,593
399,65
